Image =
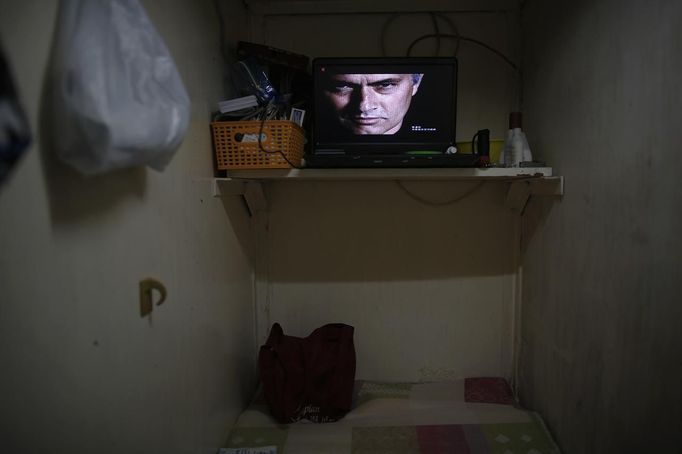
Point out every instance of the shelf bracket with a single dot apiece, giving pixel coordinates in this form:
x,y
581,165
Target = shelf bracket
x,y
520,191
251,190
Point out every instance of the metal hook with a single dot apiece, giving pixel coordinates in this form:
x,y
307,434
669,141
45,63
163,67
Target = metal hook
x,y
146,289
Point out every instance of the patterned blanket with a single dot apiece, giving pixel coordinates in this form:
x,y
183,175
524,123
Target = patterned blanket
x,y
470,416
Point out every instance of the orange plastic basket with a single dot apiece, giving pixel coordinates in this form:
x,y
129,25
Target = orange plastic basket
x,y
236,144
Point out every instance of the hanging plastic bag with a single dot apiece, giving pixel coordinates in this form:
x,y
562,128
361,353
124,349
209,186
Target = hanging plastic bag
x,y
117,99
15,135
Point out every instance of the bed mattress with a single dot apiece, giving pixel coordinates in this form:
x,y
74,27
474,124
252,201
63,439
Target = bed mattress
x,y
473,415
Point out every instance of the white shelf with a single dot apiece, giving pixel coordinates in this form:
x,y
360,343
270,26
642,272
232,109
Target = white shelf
x,y
523,181
391,174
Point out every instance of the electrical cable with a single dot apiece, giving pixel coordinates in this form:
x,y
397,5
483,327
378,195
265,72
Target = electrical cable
x,y
453,27
447,202
382,34
463,38
434,19
438,36
260,142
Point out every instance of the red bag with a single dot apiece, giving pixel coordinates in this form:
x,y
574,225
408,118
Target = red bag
x,y
310,377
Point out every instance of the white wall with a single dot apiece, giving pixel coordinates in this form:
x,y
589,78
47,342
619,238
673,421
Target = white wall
x,y
428,289
81,371
601,324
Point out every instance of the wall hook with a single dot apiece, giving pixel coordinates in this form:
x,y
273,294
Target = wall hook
x,y
147,286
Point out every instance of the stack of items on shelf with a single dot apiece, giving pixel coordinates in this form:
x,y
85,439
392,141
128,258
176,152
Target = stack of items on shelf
x,y
263,127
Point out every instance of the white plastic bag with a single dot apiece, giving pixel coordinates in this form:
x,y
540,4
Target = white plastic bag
x,y
117,99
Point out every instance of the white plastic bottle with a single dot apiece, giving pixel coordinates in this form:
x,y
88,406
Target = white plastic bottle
x,y
516,148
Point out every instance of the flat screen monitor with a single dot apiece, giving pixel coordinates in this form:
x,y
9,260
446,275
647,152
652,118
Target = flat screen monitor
x,y
384,105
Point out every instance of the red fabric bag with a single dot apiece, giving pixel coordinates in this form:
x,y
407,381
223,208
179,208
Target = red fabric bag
x,y
309,377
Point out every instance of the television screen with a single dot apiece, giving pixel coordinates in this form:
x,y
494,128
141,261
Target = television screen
x,y
384,104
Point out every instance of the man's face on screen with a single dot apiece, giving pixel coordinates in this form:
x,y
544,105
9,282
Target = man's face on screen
x,y
371,103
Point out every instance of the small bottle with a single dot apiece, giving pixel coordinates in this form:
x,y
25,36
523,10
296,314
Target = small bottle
x,y
516,148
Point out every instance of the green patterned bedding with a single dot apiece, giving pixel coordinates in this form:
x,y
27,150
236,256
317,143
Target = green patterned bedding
x,y
471,416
